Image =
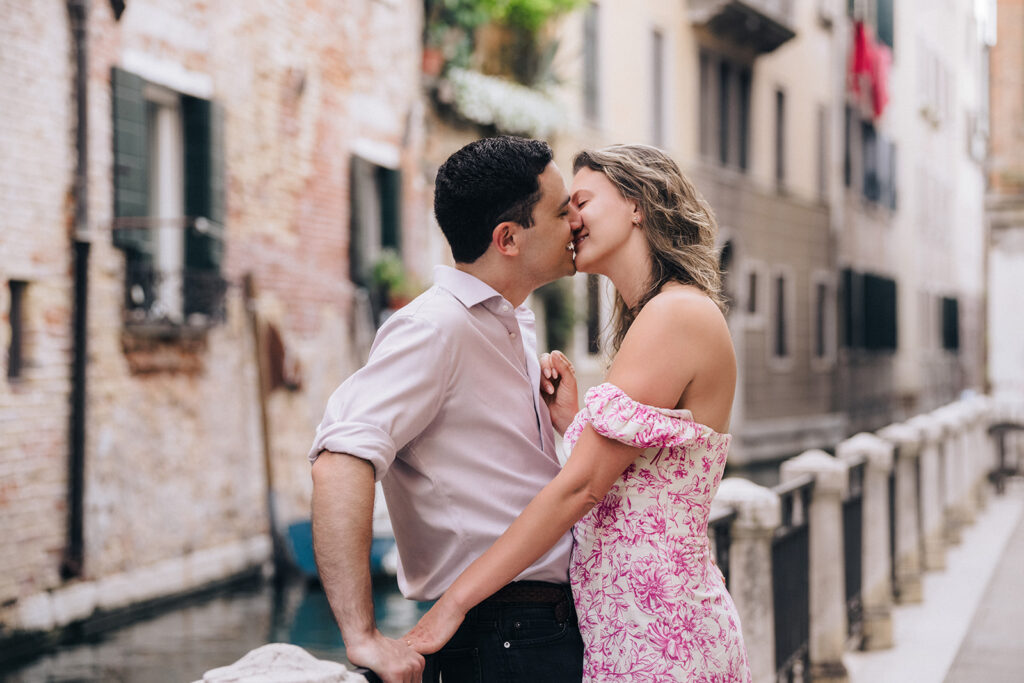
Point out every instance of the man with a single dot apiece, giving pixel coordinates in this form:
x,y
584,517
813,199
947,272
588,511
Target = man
x,y
447,415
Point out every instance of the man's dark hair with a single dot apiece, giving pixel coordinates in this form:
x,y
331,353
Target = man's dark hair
x,y
485,183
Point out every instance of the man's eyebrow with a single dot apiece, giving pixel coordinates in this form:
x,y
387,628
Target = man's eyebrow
x,y
565,202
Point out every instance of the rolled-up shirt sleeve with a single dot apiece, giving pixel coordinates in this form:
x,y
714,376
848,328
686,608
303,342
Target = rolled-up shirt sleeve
x,y
392,399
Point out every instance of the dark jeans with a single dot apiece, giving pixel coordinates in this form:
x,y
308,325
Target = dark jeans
x,y
509,643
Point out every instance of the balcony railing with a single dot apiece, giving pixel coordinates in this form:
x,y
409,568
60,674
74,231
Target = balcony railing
x,y
791,578
763,25
172,272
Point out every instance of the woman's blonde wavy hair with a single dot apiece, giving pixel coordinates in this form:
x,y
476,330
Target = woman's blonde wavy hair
x,y
679,225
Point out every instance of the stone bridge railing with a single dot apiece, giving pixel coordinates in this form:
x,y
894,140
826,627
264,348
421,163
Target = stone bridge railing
x,y
817,563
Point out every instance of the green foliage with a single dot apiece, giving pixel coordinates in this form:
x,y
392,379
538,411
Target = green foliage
x,y
529,15
451,24
388,272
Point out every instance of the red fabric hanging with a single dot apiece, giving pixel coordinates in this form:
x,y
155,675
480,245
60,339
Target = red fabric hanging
x,y
860,58
880,78
869,69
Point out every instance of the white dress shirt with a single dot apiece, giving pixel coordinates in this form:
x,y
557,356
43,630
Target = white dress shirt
x,y
448,411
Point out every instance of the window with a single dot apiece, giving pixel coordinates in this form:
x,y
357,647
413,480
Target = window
x,y
724,110
752,298
744,118
657,88
950,324
869,158
884,19
591,68
780,137
879,313
869,311
822,151
752,285
168,202
593,314
823,319
847,146
820,294
707,106
869,151
375,201
781,327
15,316
780,343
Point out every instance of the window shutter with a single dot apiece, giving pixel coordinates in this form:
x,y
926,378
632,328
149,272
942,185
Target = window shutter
x,y
131,163
879,313
204,183
203,123
390,208
950,324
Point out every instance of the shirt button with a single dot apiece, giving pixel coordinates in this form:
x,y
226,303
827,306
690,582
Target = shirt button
x,y
512,334
506,308
507,644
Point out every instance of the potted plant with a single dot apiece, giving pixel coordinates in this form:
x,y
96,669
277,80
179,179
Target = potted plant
x,y
392,286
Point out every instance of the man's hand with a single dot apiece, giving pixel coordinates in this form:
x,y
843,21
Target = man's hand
x,y
393,660
436,627
558,389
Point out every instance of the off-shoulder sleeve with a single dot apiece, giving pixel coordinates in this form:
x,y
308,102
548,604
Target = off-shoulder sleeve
x,y
615,415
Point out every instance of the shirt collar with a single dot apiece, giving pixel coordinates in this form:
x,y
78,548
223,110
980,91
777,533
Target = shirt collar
x,y
467,288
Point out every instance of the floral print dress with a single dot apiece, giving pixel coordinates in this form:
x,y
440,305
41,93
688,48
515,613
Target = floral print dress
x,y
652,603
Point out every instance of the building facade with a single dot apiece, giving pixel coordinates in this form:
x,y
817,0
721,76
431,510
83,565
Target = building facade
x,y
1005,204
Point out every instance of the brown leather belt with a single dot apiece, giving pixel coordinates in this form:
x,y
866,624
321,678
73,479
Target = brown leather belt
x,y
535,593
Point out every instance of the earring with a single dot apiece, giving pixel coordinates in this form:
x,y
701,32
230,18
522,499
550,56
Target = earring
x,y
636,220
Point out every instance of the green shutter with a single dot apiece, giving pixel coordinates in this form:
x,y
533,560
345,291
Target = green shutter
x,y
203,123
131,161
204,183
885,32
390,208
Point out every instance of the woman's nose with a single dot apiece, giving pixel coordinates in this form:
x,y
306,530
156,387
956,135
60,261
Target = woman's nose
x,y
575,220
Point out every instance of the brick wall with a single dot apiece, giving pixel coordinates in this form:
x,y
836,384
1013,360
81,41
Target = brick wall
x,y
35,175
173,454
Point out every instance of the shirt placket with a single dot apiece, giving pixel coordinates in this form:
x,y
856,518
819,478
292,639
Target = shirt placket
x,y
521,332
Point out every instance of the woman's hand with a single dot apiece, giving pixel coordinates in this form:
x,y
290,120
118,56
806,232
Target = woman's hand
x,y
436,627
558,389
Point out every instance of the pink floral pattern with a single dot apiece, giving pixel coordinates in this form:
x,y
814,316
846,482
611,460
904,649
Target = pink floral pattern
x,y
652,603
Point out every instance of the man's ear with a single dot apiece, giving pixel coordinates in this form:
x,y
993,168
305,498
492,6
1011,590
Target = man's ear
x,y
505,238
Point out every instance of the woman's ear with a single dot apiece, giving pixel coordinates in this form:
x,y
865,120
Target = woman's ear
x,y
637,217
505,238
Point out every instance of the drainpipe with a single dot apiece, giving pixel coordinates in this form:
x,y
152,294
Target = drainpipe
x,y
72,563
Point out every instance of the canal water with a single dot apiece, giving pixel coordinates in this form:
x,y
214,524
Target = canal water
x,y
180,645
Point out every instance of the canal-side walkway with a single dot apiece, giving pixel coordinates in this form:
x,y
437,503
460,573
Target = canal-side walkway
x,y
968,627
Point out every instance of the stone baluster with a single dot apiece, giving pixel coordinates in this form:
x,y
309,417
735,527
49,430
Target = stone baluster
x,y
980,449
933,523
876,560
827,570
952,473
758,514
909,564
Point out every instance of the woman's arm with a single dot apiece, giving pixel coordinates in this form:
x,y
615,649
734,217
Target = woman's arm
x,y
595,464
650,369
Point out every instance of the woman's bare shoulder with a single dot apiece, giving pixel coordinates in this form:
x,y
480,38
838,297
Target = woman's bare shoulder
x,y
682,309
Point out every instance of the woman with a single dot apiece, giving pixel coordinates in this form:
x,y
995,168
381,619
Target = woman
x,y
648,448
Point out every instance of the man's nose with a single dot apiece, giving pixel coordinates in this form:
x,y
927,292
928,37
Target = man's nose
x,y
575,220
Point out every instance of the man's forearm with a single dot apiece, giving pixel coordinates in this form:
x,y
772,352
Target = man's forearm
x,y
343,490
